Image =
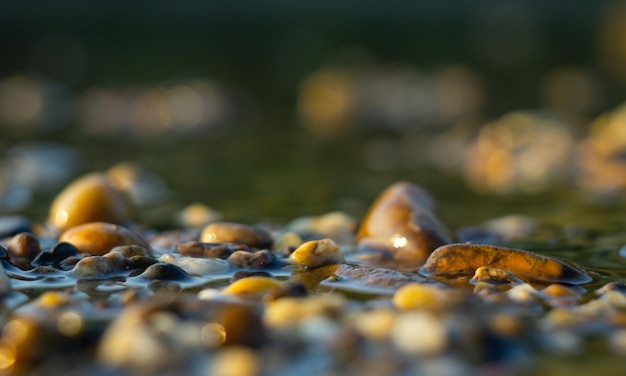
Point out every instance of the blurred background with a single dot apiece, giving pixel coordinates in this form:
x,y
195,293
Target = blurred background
x,y
280,109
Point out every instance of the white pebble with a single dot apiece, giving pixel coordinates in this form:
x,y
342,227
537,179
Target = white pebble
x,y
419,333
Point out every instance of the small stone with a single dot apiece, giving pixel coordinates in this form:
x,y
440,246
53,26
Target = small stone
x,y
252,285
197,215
210,250
419,333
287,242
317,253
402,222
523,293
495,276
336,225
249,273
464,259
90,198
165,272
375,324
129,251
421,296
100,266
227,232
236,361
292,311
197,266
24,246
251,260
98,238
60,252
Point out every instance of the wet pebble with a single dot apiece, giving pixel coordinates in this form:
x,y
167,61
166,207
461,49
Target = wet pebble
x,y
113,263
336,225
419,333
60,252
24,246
249,273
252,285
129,251
251,260
227,232
197,266
98,238
463,259
422,296
317,253
210,250
292,311
372,279
197,215
402,222
90,198
495,276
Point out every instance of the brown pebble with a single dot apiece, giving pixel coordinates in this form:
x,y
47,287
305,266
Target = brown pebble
x,y
465,259
98,238
227,232
89,198
402,221
249,260
24,245
200,249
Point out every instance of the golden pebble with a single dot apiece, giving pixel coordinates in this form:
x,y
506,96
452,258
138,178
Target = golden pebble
x,y
419,295
375,324
98,238
317,253
235,361
402,221
252,285
89,198
464,259
227,232
290,311
559,290
53,299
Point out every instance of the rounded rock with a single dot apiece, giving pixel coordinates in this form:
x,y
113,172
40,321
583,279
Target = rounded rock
x,y
251,260
316,253
252,285
90,198
24,245
227,232
402,222
98,238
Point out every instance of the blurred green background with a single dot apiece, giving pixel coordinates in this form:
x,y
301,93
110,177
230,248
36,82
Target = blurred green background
x,y
279,109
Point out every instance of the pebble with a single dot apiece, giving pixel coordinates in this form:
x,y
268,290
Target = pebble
x,y
210,250
235,361
419,333
402,222
372,279
227,232
315,253
523,293
464,259
197,266
374,324
90,198
336,225
421,296
197,215
60,252
495,276
292,311
252,285
251,260
24,245
98,238
100,266
129,251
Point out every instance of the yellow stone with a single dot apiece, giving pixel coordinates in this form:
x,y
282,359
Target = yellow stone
x,y
89,198
252,285
317,253
98,238
419,295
